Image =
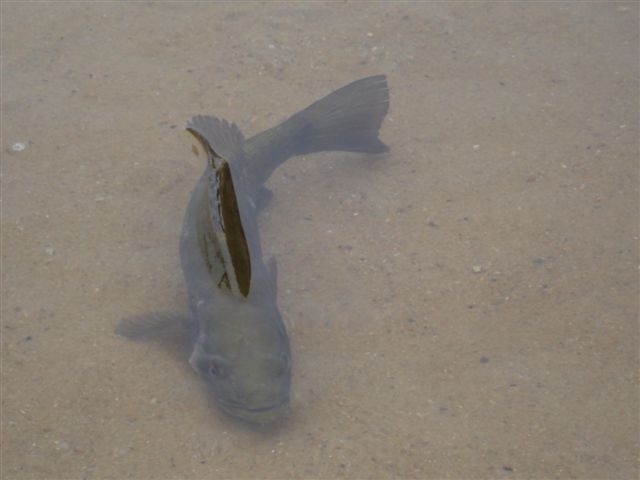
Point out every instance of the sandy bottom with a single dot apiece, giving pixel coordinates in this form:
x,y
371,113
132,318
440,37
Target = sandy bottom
x,y
464,306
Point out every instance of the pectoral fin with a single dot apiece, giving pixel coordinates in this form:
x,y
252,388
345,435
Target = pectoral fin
x,y
151,325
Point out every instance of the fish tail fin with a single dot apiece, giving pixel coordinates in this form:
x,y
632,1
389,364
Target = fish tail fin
x,y
347,119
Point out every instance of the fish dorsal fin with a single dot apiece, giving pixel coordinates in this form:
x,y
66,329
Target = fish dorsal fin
x,y
224,138
230,245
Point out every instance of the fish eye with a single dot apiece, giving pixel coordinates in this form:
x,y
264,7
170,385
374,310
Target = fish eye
x,y
215,368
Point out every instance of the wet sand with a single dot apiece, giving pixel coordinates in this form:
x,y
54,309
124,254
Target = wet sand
x,y
465,306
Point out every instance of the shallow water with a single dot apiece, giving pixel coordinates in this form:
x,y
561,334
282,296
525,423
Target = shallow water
x,y
464,306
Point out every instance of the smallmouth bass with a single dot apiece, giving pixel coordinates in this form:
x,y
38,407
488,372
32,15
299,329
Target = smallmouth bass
x,y
240,344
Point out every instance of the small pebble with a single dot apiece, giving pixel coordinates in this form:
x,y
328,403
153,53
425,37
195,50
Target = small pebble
x,y
49,251
18,147
477,269
61,445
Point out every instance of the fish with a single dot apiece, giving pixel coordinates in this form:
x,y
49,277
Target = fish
x,y
240,346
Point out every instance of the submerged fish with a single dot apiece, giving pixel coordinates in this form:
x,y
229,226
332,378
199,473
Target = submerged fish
x,y
240,345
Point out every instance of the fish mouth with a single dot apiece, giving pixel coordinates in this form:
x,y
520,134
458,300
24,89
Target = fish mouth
x,y
260,415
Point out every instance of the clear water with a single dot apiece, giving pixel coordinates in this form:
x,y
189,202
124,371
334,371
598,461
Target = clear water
x,y
465,306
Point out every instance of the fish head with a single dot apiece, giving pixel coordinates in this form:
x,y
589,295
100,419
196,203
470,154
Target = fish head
x,y
244,356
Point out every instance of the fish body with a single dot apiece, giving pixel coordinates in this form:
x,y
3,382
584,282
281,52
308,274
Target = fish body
x,y
240,344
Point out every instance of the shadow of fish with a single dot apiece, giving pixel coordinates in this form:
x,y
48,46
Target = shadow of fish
x,y
240,345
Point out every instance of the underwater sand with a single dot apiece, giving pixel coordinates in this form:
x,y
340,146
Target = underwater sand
x,y
465,306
